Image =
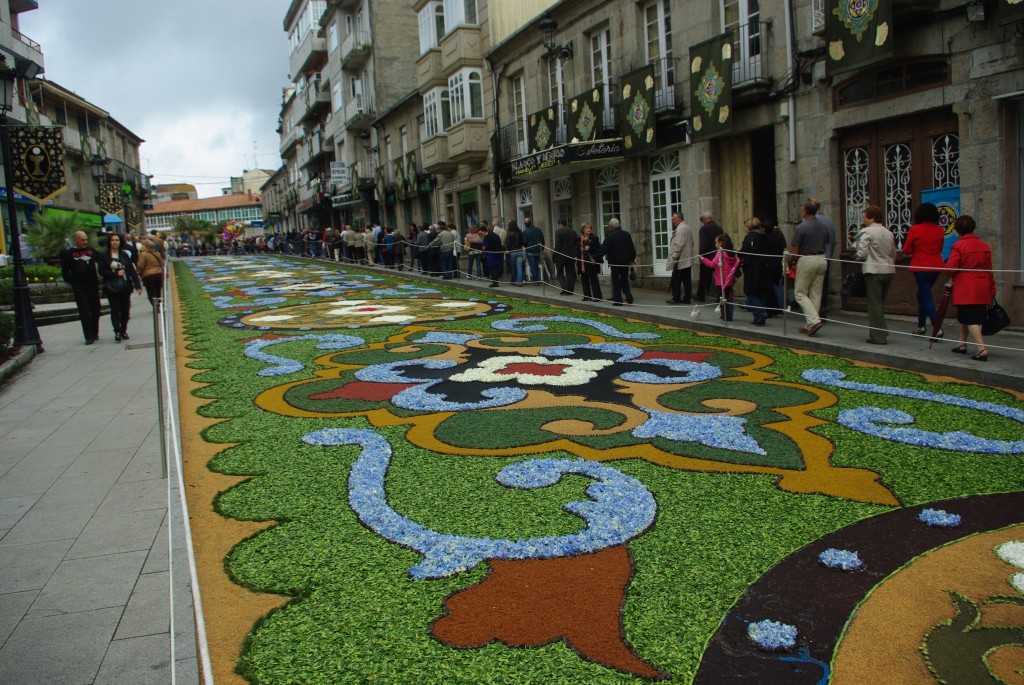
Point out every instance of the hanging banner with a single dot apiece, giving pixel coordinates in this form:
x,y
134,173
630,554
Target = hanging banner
x,y
947,200
398,169
111,198
711,79
381,184
37,158
586,116
858,32
637,107
541,130
133,216
1008,11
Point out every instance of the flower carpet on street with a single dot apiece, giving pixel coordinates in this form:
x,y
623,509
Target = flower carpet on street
x,y
461,487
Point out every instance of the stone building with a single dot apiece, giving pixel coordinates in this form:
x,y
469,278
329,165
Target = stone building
x,y
934,106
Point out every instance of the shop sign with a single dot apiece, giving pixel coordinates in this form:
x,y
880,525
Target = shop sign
x,y
575,152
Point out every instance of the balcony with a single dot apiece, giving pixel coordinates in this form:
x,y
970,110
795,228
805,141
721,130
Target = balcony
x,y
288,142
429,72
665,70
355,50
467,142
317,98
316,149
359,111
435,155
311,53
26,47
461,48
750,59
72,139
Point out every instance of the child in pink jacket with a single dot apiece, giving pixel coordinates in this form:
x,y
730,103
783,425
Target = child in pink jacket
x,y
725,265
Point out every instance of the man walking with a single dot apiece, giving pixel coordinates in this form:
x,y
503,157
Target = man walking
x,y
681,256
78,266
709,230
533,241
618,249
567,255
830,248
809,243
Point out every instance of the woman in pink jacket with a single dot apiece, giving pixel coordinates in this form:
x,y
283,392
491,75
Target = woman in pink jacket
x,y
724,266
970,265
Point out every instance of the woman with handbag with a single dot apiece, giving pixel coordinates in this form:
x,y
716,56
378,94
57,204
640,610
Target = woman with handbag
x,y
589,264
970,265
924,247
119,277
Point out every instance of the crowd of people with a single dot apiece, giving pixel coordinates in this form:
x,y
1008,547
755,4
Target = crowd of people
x,y
494,251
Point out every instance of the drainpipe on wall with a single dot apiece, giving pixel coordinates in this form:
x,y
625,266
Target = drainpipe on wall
x,y
788,5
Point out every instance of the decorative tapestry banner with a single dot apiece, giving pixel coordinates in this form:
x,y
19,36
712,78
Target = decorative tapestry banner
x,y
134,216
410,174
637,107
37,155
399,171
111,198
380,184
1010,11
711,80
859,32
586,116
541,129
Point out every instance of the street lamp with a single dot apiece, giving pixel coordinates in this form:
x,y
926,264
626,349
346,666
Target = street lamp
x,y
25,331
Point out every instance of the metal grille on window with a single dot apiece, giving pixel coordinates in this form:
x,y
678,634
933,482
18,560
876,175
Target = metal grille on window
x,y
898,193
563,189
946,161
817,16
855,180
525,197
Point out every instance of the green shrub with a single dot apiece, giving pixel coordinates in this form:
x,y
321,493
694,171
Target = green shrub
x,y
6,330
37,273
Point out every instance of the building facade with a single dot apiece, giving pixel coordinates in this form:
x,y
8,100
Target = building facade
x,y
245,208
98,152
591,109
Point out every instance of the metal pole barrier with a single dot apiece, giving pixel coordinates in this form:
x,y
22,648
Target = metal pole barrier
x,y
785,293
158,347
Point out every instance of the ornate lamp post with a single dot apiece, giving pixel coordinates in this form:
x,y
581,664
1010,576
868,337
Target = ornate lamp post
x,y
25,331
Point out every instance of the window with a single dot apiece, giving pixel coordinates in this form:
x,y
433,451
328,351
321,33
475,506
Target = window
x,y
337,102
467,96
556,96
600,71
666,197
658,45
431,26
458,13
519,111
436,112
332,37
608,193
742,18
892,81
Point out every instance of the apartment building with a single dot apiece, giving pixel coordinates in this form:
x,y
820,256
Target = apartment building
x,y
349,58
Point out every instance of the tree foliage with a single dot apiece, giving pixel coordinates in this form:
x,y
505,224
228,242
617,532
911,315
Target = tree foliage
x,y
51,232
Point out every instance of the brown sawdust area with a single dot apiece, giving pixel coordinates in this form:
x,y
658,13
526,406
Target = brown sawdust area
x,y
881,643
229,609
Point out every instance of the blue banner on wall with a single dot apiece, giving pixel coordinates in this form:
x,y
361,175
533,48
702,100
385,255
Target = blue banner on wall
x,y
948,202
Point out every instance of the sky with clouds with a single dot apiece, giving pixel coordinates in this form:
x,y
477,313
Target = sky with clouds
x,y
199,80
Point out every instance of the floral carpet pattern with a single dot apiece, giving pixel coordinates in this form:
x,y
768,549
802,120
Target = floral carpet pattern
x,y
478,489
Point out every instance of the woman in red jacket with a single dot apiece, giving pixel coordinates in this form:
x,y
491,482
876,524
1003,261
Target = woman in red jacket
x,y
970,265
924,247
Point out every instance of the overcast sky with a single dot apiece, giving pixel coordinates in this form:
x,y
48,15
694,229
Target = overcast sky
x,y
199,80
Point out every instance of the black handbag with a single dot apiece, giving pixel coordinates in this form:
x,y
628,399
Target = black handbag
x,y
853,285
116,286
996,319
